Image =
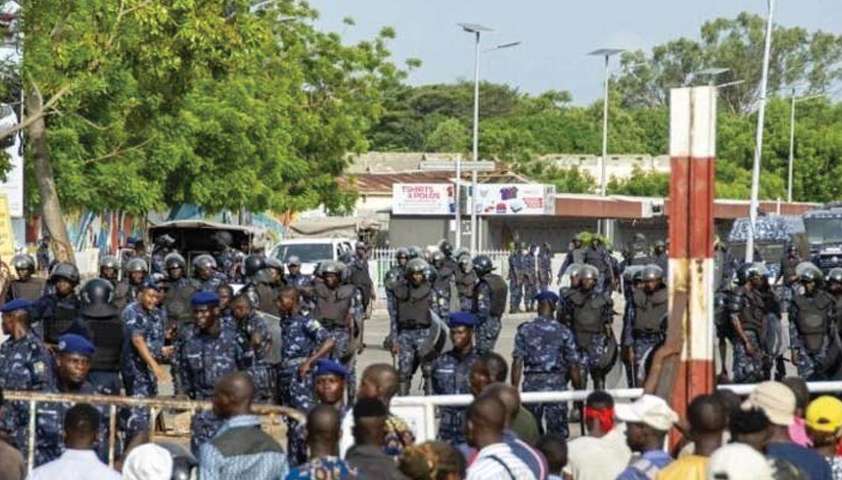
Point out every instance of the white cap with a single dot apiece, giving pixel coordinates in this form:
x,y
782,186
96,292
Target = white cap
x,y
648,409
148,462
775,399
738,461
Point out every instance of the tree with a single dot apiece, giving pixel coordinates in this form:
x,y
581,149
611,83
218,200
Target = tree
x,y
135,105
450,135
641,183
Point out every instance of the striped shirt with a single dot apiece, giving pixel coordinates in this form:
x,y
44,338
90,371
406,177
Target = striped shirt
x,y
497,462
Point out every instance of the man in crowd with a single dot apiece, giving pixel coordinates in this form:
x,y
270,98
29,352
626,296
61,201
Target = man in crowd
x,y
648,420
484,429
369,433
380,381
252,333
329,381
240,448
79,461
602,452
55,312
100,322
323,432
489,304
708,421
26,286
824,425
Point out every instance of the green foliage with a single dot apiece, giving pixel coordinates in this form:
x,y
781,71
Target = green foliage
x,y
641,183
177,101
450,135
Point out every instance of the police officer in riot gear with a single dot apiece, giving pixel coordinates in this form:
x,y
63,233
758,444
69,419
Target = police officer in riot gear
x,y
598,257
489,304
25,287
442,284
252,266
128,288
747,324
530,276
162,247
414,299
54,313
659,255
516,277
336,304
833,285
813,333
415,252
109,269
564,306
575,254
302,282
178,289
646,317
101,323
465,280
394,276
590,313
204,270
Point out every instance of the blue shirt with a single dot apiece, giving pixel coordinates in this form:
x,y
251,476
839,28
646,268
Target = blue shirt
x,y
658,458
804,458
260,457
325,468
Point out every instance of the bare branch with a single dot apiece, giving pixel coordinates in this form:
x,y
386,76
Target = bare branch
x,y
42,112
117,152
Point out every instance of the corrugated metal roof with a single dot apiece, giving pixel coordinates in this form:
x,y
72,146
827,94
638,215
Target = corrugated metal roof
x,y
381,183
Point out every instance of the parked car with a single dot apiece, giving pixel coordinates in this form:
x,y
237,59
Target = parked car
x,y
311,251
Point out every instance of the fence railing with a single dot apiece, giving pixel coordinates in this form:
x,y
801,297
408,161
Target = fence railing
x,y
155,406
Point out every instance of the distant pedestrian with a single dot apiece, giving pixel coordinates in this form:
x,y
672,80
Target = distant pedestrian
x,y
79,461
240,448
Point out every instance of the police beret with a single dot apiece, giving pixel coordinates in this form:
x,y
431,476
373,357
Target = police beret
x,y
461,319
204,298
16,304
150,283
72,343
329,367
546,295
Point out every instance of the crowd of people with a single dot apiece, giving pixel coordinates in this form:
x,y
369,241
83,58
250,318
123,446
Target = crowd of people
x,y
162,322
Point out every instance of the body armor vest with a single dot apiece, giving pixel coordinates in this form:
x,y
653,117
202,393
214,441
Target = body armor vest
x,y
107,337
360,279
465,283
66,311
813,318
332,306
177,304
266,299
587,316
30,291
751,313
124,294
414,304
649,310
497,287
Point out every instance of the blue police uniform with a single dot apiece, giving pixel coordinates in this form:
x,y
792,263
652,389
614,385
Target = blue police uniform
x,y
301,335
203,360
545,266
644,325
27,365
515,277
52,315
301,282
590,312
324,468
138,379
49,416
450,373
296,439
529,279
747,307
261,370
811,327
488,326
547,349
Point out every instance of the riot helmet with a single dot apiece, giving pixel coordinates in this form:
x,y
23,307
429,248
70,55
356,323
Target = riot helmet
x,y
22,262
415,252
430,274
204,265
253,263
742,273
331,272
446,248
294,264
835,275
97,298
438,259
460,252
573,271
173,261
402,256
465,264
109,266
758,274
483,265
65,271
588,276
223,238
652,272
165,240
136,265
809,273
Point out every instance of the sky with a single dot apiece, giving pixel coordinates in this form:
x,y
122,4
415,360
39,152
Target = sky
x,y
556,34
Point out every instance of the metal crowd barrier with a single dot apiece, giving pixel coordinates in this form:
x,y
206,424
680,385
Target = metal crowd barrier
x,y
429,403
155,406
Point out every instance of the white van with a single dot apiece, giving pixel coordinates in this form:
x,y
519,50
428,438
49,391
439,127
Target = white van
x,y
312,251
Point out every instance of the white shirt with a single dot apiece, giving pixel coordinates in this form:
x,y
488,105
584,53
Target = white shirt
x,y
591,458
485,467
74,465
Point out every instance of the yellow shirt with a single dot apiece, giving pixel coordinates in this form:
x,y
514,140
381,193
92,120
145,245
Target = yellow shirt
x,y
690,467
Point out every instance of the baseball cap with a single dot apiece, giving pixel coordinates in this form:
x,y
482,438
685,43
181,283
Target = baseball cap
x,y
776,400
648,409
824,414
738,461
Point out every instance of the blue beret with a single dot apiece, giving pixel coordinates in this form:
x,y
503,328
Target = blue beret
x,y
546,295
329,367
204,298
150,283
72,343
462,319
16,304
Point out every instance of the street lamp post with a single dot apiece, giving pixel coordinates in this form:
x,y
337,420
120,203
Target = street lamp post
x,y
758,147
607,53
477,31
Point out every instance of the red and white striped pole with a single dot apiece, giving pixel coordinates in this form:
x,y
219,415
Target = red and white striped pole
x,y
691,232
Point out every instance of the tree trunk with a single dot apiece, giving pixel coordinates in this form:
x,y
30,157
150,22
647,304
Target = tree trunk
x,y
50,203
